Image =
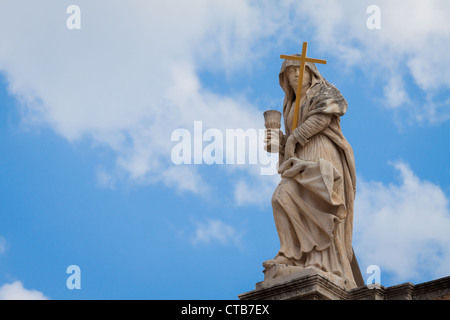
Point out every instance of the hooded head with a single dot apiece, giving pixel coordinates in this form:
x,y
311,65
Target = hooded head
x,y
310,67
327,98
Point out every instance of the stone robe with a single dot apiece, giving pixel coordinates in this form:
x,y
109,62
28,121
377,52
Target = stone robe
x,y
313,203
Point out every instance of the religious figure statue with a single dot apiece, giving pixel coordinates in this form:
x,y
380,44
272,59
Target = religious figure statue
x,y
313,203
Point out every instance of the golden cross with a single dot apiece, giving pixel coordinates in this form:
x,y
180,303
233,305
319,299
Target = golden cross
x,y
302,60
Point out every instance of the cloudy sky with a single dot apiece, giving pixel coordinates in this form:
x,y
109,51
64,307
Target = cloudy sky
x,y
87,118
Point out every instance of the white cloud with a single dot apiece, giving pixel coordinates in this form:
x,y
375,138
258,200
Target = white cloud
x,y
216,231
412,43
403,228
185,178
257,191
129,77
395,93
16,291
105,179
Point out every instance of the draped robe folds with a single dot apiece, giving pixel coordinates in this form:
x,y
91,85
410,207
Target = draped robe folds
x,y
313,203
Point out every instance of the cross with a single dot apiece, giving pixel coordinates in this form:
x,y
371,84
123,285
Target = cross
x,y
302,60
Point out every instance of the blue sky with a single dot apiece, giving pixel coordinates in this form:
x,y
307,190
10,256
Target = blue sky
x,y
86,118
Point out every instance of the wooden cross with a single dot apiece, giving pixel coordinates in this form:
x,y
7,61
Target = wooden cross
x,y
302,60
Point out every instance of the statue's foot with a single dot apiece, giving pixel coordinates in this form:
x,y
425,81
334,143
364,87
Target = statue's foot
x,y
268,263
277,260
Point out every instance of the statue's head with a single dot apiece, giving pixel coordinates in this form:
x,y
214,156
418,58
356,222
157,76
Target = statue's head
x,y
292,75
290,71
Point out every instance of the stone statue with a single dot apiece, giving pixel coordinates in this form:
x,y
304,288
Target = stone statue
x,y
313,203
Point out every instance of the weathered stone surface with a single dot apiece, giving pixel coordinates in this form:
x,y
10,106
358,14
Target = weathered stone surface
x,y
313,203
313,284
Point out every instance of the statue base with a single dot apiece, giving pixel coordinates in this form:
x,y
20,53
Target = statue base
x,y
282,273
313,284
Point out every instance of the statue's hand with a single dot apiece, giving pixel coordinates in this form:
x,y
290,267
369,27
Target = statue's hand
x,y
274,140
290,147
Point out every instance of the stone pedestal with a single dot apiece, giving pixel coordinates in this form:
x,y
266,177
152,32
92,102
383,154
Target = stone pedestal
x,y
312,284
